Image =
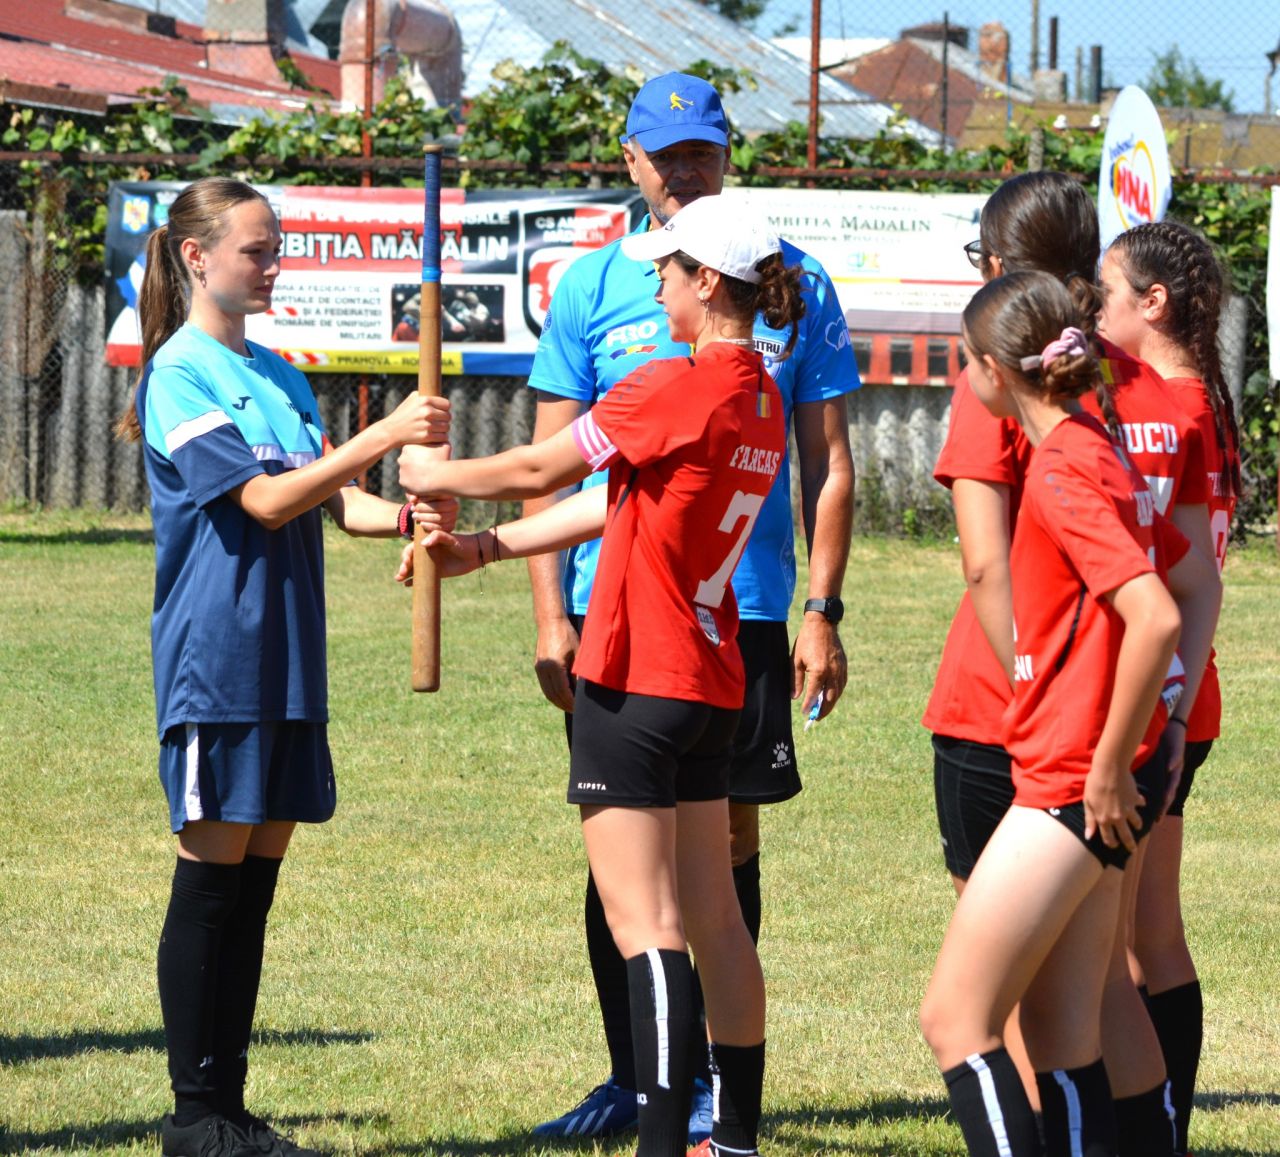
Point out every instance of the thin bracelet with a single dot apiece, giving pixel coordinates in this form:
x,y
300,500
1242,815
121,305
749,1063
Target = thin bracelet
x,y
479,555
1180,722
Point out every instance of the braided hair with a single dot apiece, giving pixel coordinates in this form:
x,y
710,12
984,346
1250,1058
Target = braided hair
x,y
1171,254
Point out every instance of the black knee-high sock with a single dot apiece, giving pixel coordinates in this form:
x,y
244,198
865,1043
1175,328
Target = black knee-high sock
x,y
609,970
1079,1120
661,985
746,882
737,1075
1178,1016
239,973
1146,1124
991,1106
202,898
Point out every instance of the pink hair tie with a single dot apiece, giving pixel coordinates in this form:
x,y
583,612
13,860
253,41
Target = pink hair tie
x,y
1072,342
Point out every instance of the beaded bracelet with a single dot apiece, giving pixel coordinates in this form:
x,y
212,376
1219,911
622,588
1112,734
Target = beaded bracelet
x,y
404,521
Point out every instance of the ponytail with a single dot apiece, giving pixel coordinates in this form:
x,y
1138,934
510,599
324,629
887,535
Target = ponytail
x,y
199,212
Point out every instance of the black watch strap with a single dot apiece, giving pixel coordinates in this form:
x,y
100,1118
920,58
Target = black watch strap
x,y
830,609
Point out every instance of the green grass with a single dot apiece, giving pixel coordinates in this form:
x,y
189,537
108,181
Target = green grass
x,y
426,988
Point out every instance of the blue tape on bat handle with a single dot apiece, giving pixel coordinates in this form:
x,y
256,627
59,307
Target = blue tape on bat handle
x,y
431,217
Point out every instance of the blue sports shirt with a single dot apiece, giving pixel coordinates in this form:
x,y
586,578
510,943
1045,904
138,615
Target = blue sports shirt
x,y
604,321
237,630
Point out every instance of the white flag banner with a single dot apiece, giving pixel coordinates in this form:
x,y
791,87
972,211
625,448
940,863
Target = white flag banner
x,y
1273,285
1134,182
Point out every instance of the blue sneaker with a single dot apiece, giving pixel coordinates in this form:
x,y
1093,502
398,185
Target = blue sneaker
x,y
605,1111
700,1112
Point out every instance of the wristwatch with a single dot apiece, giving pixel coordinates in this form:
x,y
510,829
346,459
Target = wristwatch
x,y
830,609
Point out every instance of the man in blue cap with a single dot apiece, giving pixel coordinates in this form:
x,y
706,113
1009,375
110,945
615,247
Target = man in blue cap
x,y
603,323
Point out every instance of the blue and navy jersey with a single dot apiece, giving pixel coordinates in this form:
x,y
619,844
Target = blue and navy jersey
x,y
604,322
237,630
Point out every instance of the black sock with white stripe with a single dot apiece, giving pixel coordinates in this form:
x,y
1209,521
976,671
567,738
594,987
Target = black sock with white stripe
x,y
1178,1015
737,1077
1079,1119
991,1107
202,898
662,1016
1146,1124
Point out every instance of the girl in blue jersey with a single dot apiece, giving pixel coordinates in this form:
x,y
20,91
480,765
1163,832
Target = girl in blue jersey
x,y
238,467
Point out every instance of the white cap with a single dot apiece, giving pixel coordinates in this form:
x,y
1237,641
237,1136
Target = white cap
x,y
714,233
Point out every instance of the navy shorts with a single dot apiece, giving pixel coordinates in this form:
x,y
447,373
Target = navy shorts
x,y
646,751
972,790
247,773
764,768
1192,760
1153,781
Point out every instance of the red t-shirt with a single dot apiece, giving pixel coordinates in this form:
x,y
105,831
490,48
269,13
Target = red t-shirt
x,y
699,441
971,690
1164,444
1189,393
1088,525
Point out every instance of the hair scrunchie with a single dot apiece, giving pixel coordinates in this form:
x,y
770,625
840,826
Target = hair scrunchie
x,y
1072,342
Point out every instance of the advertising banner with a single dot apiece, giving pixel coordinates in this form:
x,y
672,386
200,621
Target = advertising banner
x,y
1134,181
347,299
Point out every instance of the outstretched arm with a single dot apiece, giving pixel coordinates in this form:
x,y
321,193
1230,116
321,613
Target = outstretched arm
x,y
273,499
521,472
576,519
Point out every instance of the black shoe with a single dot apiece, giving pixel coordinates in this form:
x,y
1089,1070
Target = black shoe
x,y
211,1136
264,1141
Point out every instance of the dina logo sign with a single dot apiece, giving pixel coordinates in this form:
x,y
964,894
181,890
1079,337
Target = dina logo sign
x,y
1134,184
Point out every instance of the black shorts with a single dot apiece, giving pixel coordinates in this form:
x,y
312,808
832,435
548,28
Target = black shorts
x,y
1153,781
634,750
1194,757
972,790
764,750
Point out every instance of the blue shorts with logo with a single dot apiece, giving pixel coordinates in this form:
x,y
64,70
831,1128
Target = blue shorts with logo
x,y
248,773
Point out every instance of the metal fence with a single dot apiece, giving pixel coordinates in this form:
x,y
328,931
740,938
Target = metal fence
x,y
58,401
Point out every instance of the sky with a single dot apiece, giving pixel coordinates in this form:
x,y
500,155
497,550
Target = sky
x,y
1228,40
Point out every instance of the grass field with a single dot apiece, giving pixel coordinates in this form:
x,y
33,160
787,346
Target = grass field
x,y
426,988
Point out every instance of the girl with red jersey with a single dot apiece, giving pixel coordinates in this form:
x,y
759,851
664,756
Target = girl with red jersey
x,y
1162,291
693,445
1095,631
1042,221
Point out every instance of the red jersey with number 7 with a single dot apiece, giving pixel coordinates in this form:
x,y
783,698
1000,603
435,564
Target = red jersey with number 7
x,y
692,446
1088,525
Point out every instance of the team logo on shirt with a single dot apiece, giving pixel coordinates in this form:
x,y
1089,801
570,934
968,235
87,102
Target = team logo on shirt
x,y
781,754
305,415
1146,507
625,335
837,335
242,401
1023,671
1150,437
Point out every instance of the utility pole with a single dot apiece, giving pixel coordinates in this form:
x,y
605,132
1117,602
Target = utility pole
x,y
1035,38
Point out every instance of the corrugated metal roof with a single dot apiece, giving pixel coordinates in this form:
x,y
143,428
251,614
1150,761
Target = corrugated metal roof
x,y
300,15
659,37
41,45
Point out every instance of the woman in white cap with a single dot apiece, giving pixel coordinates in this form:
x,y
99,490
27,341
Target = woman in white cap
x,y
693,445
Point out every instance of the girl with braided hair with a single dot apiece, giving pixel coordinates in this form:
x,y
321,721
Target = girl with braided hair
x,y
1096,630
1045,221
1163,291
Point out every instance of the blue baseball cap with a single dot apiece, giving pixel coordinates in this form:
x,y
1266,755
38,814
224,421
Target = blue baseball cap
x,y
676,107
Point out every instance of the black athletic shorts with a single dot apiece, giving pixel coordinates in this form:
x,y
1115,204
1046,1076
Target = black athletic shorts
x,y
1153,782
764,750
634,750
972,790
1194,756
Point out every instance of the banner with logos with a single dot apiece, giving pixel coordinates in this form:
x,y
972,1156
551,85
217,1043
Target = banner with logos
x,y
1134,181
348,295
347,299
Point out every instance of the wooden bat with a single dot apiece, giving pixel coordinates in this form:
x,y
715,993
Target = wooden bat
x,y
426,579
